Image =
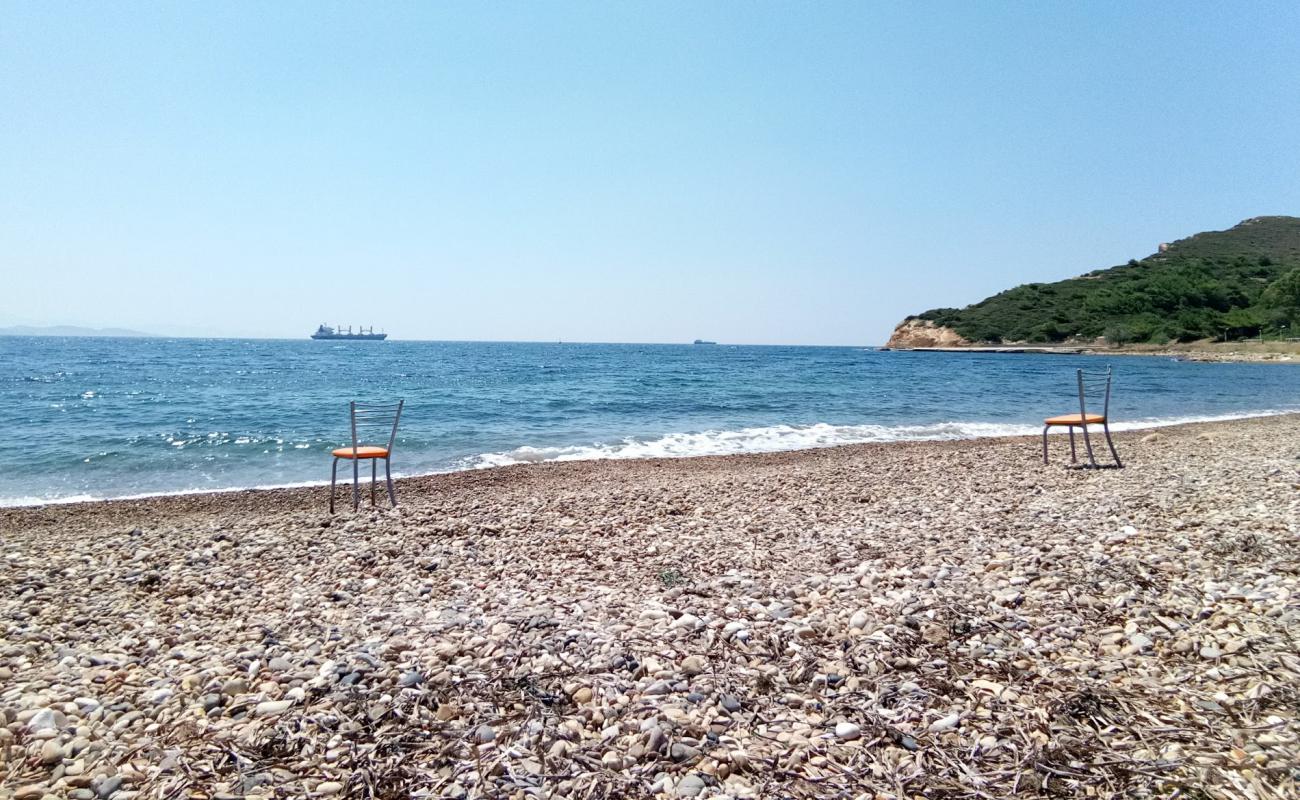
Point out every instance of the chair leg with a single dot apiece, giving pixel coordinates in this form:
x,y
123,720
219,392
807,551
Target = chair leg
x,y
1114,454
373,466
356,484
388,476
1074,458
1045,427
1092,461
334,471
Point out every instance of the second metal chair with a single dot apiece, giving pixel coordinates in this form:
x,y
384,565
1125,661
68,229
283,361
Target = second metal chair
x,y
370,418
1094,383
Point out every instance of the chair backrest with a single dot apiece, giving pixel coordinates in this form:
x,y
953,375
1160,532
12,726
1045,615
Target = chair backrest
x,y
373,420
1095,384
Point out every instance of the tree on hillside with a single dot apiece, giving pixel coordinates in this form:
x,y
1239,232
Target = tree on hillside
x,y
1283,292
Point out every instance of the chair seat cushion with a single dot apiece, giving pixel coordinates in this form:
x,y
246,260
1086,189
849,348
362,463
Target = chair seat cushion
x,y
363,451
1075,419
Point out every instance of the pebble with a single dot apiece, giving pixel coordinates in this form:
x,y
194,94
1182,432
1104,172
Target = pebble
x,y
47,719
270,708
108,786
327,788
691,786
847,731
944,723
51,752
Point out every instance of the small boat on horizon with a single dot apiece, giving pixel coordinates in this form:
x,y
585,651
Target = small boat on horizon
x,y
362,334
703,341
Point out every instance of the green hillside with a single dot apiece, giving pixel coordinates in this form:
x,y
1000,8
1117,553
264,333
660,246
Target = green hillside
x,y
1235,283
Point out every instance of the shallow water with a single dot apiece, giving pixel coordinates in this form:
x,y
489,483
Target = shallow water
x,y
120,417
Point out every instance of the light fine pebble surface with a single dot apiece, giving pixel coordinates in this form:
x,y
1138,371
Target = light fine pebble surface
x,y
876,621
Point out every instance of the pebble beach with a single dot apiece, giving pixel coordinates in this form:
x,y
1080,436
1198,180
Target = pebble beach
x,y
918,619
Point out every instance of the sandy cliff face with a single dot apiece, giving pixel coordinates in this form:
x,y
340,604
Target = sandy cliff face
x,y
924,333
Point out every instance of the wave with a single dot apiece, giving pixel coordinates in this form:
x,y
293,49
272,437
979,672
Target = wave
x,y
768,439
778,438
30,500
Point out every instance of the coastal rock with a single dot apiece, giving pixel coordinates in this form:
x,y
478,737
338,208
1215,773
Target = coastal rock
x,y
917,332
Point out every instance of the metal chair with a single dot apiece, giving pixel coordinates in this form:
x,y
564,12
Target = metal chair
x,y
370,417
1094,383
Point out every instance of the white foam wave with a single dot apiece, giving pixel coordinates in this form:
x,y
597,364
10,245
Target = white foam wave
x,y
777,438
770,439
30,500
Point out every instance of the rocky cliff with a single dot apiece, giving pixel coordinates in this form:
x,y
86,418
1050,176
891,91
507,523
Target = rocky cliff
x,y
918,332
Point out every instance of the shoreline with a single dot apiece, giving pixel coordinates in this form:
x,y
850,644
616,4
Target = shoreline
x,y
1228,352
884,619
304,486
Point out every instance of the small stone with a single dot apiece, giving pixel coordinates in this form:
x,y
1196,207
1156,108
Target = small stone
x,y
47,719
279,664
410,679
945,723
859,620
729,703
847,731
270,708
234,686
611,760
32,791
328,788
690,786
683,752
51,752
583,695
693,665
484,734
659,687
1209,652
108,786
1151,438
688,622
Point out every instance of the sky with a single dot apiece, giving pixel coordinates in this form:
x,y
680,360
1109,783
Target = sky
x,y
748,172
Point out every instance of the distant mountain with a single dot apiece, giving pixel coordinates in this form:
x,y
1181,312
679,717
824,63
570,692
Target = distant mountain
x,y
67,330
1234,283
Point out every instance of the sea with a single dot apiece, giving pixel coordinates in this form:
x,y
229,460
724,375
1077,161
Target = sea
x,y
93,418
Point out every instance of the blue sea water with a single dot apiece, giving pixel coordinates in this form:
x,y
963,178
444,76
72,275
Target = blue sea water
x,y
86,418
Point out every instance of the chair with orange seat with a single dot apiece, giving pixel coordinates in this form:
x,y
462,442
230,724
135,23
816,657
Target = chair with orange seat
x,y
1094,383
370,417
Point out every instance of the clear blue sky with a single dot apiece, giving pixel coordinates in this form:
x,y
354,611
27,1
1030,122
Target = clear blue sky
x,y
747,172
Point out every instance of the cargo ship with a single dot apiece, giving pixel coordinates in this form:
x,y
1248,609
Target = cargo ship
x,y
365,334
